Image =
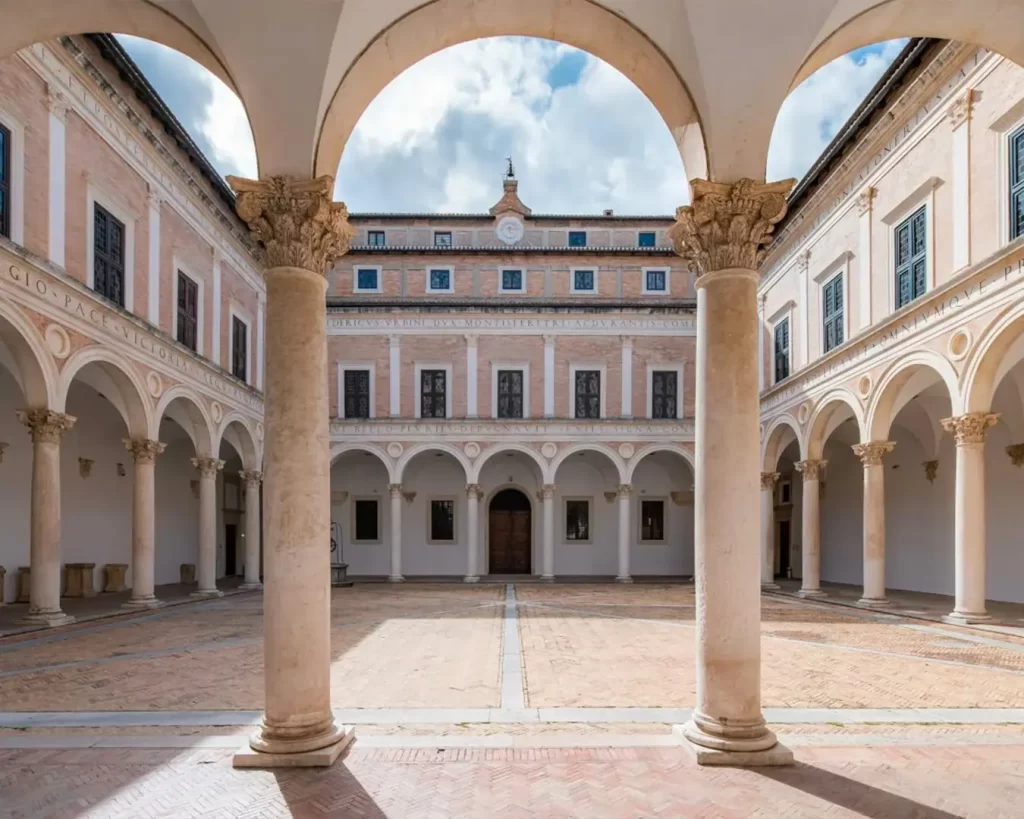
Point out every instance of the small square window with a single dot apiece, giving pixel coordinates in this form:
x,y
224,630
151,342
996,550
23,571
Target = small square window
x,y
652,520
647,238
655,281
375,238
442,521
577,238
367,280
583,281
577,520
512,281
443,239
440,281
367,521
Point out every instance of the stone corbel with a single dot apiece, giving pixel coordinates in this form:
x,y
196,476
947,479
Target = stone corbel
x,y
409,496
931,468
339,497
683,497
1016,453
3,449
193,486
611,496
85,466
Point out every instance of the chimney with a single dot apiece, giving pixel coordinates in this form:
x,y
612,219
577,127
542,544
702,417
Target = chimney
x,y
609,212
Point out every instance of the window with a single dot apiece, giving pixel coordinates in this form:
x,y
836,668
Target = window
x,y
439,280
375,238
512,282
239,348
1017,183
188,312
832,310
785,491
442,521
577,238
443,239
584,281
510,393
655,282
782,350
646,238
911,258
664,394
357,393
108,256
367,280
588,393
652,520
366,526
577,520
5,182
433,393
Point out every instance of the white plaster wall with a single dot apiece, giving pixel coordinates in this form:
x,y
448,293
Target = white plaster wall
x,y
582,478
15,487
177,509
1004,489
842,518
657,476
361,475
431,477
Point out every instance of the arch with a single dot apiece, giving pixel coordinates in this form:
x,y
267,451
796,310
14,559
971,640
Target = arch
x,y
411,453
184,407
34,369
337,450
531,501
613,456
835,407
780,433
129,393
490,452
650,449
239,435
999,348
901,382
583,24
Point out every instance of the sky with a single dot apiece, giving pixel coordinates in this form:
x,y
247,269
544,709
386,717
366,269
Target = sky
x,y
583,138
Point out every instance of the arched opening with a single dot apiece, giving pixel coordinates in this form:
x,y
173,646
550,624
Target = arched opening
x,y
360,515
662,497
509,468
509,533
238,453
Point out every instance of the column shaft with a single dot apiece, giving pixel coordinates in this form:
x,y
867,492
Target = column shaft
x,y
623,493
396,533
472,533
144,453
768,480
206,571
811,528
548,555
252,529
871,455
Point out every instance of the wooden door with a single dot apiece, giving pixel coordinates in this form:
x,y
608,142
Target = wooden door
x,y
509,542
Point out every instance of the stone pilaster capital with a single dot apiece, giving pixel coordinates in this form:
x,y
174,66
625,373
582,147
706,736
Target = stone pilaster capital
x,y
623,490
251,477
144,449
769,479
810,469
865,200
395,340
627,342
1016,453
471,339
57,103
395,490
46,426
3,449
208,467
803,261
970,428
473,491
728,225
960,109
872,452
547,491
549,339
294,220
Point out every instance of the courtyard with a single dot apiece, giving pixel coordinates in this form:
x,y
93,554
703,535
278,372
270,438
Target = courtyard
x,y
515,700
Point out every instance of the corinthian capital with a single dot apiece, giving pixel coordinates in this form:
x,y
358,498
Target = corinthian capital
x,y
970,428
871,453
208,467
46,426
144,449
769,479
251,477
728,226
811,470
294,220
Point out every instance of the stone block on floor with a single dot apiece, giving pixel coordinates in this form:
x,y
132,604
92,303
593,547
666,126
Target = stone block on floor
x,y
188,572
24,584
78,580
114,577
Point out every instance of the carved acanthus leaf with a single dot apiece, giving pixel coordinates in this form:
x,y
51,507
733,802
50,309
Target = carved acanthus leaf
x,y
46,426
143,449
970,428
208,467
811,470
769,479
251,477
871,453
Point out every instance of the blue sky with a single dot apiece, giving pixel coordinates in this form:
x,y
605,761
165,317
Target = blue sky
x,y
583,137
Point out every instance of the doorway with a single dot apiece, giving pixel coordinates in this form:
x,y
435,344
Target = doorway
x,y
230,550
509,528
784,564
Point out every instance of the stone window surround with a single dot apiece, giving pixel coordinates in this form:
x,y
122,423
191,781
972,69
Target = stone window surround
x,y
96,194
922,195
1001,130
355,278
787,311
572,280
17,170
501,279
237,311
665,536
380,518
510,365
678,367
589,500
601,367
643,281
449,386
451,278
343,367
840,266
181,265
455,520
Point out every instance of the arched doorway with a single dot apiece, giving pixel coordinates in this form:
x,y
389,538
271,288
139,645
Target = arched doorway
x,y
509,528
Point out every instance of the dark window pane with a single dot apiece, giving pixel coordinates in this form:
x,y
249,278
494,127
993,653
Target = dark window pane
x,y
442,520
511,279
577,520
442,240
588,393
832,309
433,392
510,394
239,345
583,280
5,182
366,520
188,311
440,280
911,258
782,350
357,393
656,281
577,238
664,402
647,239
375,238
108,256
652,520
367,279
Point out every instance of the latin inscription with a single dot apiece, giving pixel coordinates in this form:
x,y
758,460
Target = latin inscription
x,y
338,324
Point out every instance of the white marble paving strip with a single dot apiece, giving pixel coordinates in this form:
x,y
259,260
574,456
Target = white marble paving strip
x,y
512,682
794,740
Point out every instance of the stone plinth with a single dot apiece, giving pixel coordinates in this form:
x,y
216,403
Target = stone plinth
x,y
339,575
188,573
114,577
78,580
24,584
3,578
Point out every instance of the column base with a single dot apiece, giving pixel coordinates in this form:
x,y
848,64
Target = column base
x,y
760,750
963,618
773,586
249,757
51,619
396,578
141,604
811,593
873,602
547,578
207,593
257,586
471,578
624,579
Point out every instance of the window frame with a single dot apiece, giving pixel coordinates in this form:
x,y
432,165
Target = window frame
x,y
235,312
646,291
922,196
573,290
575,367
353,537
568,238
6,181
96,195
918,216
180,273
640,501
376,232
448,233
1011,188
676,367
16,184
789,349
449,269
496,366
345,366
838,283
566,540
652,233
449,388
355,278
501,279
430,520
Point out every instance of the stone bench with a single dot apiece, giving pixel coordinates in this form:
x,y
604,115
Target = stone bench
x,y
78,580
114,577
188,573
24,584
3,577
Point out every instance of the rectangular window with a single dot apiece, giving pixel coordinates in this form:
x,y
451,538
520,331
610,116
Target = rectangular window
x,y
443,239
239,348
577,520
108,256
782,350
652,520
911,258
588,393
375,238
188,312
655,281
832,310
583,281
512,281
367,280
439,281
357,393
433,393
367,521
646,238
442,520
1017,183
5,182
577,238
510,393
664,394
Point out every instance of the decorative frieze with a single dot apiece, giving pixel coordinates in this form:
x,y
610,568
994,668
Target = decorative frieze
x,y
811,470
208,467
769,479
144,449
871,453
46,426
970,428
548,327
387,429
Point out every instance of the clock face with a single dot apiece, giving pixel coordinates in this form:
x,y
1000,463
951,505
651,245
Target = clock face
x,y
510,230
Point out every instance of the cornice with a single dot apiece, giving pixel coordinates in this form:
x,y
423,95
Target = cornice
x,y
508,250
549,429
509,323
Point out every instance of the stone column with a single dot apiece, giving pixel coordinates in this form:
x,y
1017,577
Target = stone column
x,y
768,481
969,533
871,455
301,233
811,528
252,480
395,490
46,428
473,533
720,236
547,492
623,494
206,571
144,452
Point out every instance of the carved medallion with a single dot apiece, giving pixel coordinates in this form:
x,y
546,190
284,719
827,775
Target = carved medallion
x,y
58,341
549,450
626,451
395,449
216,412
510,230
154,384
959,344
472,449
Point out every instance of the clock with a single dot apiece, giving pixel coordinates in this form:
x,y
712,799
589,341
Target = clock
x,y
510,229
